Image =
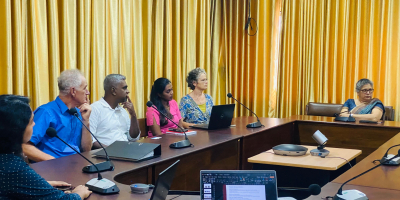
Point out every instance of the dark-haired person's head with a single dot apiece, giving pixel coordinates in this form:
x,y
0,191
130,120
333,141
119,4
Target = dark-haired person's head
x,y
161,91
16,123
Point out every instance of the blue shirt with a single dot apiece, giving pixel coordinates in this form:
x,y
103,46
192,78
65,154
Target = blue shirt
x,y
19,181
69,128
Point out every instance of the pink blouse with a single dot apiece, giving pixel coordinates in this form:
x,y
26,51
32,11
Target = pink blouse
x,y
176,116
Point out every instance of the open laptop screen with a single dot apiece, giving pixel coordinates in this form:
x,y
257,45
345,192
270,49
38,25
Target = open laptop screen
x,y
238,184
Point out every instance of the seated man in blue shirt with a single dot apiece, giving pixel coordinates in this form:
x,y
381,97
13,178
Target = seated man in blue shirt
x,y
73,93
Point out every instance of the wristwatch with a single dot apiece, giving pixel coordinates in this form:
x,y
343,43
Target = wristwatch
x,y
351,115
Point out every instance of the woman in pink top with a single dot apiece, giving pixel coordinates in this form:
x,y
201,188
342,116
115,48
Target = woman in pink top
x,y
161,96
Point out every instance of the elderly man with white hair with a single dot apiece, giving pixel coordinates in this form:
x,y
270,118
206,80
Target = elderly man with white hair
x,y
73,94
109,121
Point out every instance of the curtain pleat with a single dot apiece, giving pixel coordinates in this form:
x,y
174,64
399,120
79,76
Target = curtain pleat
x,y
251,62
98,64
38,52
9,11
16,43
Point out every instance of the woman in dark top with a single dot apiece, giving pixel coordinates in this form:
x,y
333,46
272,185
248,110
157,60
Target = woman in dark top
x,y
17,179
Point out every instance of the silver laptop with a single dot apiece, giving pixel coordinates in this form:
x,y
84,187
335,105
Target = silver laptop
x,y
238,184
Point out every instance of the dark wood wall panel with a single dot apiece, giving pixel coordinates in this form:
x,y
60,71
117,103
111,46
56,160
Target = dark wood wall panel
x,y
259,142
187,176
365,138
143,175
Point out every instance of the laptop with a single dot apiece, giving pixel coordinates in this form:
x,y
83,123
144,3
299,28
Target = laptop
x,y
221,117
238,184
164,182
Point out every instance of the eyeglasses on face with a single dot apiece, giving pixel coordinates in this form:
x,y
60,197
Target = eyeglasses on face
x,y
365,91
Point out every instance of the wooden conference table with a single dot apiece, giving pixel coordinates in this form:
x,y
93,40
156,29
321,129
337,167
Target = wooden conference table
x,y
386,177
382,183
224,149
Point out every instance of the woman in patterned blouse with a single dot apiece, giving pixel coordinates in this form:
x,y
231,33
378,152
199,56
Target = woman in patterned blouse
x,y
196,107
17,179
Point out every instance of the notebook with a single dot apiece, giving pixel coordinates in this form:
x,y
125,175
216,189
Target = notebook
x,y
189,132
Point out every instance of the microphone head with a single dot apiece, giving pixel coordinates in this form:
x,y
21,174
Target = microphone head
x,y
72,111
149,104
229,95
314,189
51,132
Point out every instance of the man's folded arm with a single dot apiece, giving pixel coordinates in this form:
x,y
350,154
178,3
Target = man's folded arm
x,y
34,153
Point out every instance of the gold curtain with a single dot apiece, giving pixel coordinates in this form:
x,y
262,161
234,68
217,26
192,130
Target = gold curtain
x,y
328,45
143,40
305,50
251,61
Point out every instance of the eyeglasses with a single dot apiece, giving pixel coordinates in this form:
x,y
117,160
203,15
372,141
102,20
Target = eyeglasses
x,y
365,91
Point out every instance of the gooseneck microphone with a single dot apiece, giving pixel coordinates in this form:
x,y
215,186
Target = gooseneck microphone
x,y
251,125
352,193
103,166
176,145
313,189
386,157
100,185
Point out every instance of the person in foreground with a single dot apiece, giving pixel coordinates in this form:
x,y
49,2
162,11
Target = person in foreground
x,y
365,107
161,96
73,93
110,122
18,180
196,107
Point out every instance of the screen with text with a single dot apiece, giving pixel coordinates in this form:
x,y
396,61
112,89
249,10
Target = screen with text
x,y
238,186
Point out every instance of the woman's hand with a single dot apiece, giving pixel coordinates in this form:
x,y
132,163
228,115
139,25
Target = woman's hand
x,y
186,124
58,183
82,191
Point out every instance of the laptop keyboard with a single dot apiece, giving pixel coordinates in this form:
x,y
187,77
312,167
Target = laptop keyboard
x,y
202,125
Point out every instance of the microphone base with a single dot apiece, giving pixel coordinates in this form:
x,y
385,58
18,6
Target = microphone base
x,y
319,152
394,162
181,144
103,166
254,125
351,195
103,186
345,119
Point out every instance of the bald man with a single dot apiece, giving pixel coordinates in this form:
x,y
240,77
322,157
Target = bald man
x,y
109,121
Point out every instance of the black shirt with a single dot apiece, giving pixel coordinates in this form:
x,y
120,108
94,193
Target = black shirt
x,y
19,181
